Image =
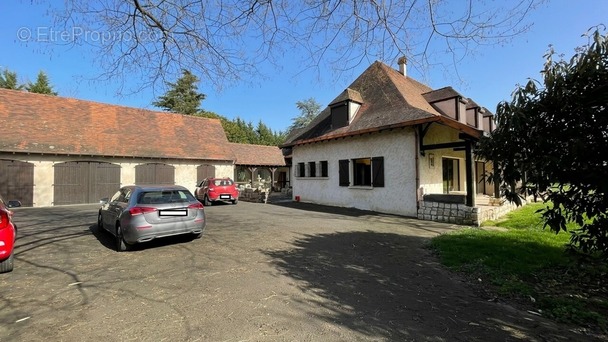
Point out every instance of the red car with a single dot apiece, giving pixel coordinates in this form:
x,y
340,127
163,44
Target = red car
x,y
217,189
8,234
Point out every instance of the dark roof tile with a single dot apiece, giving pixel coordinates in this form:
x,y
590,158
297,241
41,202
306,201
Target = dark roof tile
x,y
441,94
389,100
347,95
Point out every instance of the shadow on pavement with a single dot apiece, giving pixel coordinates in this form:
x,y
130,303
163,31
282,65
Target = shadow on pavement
x,y
388,286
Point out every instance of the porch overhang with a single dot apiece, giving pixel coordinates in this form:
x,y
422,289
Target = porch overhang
x,y
469,138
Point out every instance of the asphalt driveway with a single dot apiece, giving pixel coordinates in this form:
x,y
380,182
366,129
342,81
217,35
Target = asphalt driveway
x,y
261,272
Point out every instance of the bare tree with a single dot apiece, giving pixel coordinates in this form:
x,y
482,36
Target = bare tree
x,y
225,40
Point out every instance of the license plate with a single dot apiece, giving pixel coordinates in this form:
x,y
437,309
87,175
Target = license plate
x,y
173,212
225,196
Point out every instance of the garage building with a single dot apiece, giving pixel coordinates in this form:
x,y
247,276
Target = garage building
x,y
56,150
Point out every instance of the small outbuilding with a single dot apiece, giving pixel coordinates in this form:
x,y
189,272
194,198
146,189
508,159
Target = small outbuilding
x,y
259,163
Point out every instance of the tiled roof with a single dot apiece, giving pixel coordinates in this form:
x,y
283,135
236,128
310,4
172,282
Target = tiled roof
x,y
35,123
441,94
389,100
472,104
260,155
348,94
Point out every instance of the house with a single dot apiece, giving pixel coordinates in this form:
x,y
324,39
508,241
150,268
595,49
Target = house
x,y
391,144
56,150
255,163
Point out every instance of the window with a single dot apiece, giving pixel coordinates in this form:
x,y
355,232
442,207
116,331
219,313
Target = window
x,y
324,172
451,175
116,196
165,196
121,196
365,171
312,169
362,172
301,170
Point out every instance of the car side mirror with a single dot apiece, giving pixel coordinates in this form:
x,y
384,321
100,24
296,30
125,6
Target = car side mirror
x,y
14,204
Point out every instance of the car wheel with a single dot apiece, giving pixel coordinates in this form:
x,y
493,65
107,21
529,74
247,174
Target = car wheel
x,y
206,201
121,245
235,201
7,265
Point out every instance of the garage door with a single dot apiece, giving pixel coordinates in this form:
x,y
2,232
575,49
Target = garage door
x,y
204,171
154,173
17,181
84,182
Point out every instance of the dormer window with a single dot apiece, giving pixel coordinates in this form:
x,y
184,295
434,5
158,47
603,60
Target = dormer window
x,y
488,122
345,107
448,102
339,115
475,115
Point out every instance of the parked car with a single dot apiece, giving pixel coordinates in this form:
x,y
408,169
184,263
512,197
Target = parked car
x,y
217,189
8,235
137,214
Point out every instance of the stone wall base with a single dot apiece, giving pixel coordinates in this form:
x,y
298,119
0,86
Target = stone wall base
x,y
462,214
448,212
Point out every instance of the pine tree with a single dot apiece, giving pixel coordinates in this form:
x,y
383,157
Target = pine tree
x,y
8,80
41,86
309,109
183,96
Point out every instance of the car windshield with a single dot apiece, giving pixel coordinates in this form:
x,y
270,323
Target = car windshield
x,y
165,196
222,182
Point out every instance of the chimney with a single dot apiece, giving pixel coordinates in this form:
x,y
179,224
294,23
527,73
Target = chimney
x,y
402,65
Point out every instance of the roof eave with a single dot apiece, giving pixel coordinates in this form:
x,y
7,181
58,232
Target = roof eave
x,y
363,131
471,131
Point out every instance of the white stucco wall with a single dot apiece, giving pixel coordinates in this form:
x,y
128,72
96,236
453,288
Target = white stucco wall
x,y
398,196
44,177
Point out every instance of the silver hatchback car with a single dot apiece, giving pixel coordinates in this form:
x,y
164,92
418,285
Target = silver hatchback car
x,y
138,214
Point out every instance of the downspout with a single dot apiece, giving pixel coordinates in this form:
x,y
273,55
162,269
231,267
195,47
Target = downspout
x,y
417,151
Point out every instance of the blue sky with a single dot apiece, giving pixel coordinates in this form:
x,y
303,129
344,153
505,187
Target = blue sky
x,y
488,76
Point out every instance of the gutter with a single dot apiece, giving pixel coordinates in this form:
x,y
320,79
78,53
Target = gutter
x,y
361,132
416,152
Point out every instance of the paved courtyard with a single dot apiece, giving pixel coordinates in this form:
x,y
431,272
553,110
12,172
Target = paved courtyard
x,y
261,272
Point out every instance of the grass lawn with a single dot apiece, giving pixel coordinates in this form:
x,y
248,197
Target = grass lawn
x,y
522,262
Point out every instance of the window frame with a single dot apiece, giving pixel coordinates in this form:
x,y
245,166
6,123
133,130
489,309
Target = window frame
x,y
362,172
324,168
312,169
